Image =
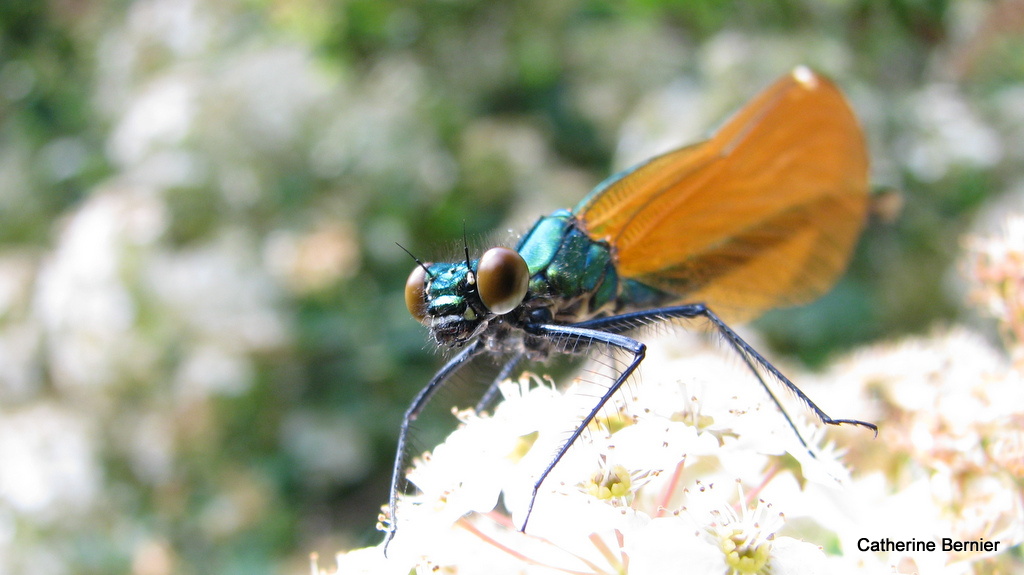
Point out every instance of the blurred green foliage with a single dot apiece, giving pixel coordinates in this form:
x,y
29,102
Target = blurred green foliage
x,y
288,145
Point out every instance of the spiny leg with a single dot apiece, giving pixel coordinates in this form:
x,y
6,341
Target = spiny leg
x,y
750,356
418,404
578,334
492,390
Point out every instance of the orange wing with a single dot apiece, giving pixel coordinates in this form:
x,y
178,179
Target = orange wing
x,y
762,215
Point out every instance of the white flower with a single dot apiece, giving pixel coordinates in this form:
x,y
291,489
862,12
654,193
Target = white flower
x,y
50,464
710,536
747,539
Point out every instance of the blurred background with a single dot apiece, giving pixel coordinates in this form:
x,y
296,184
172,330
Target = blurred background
x,y
204,350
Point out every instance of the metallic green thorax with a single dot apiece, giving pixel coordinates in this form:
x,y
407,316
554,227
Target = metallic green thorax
x,y
575,274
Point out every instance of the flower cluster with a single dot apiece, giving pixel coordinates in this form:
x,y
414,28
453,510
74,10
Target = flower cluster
x,y
665,479
997,265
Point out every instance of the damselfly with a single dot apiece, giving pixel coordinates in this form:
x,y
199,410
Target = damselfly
x,y
764,214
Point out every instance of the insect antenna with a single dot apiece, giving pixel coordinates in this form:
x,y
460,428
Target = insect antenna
x,y
465,245
417,260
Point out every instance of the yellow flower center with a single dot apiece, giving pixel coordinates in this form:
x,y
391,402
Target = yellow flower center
x,y
694,419
614,423
610,483
741,556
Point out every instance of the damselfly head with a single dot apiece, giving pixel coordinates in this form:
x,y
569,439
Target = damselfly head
x,y
456,300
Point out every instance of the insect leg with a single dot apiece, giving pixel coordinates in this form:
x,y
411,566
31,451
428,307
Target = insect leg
x,y
750,356
574,332
420,402
492,390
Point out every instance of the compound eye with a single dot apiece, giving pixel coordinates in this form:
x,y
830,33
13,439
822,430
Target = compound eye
x,y
416,293
502,278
